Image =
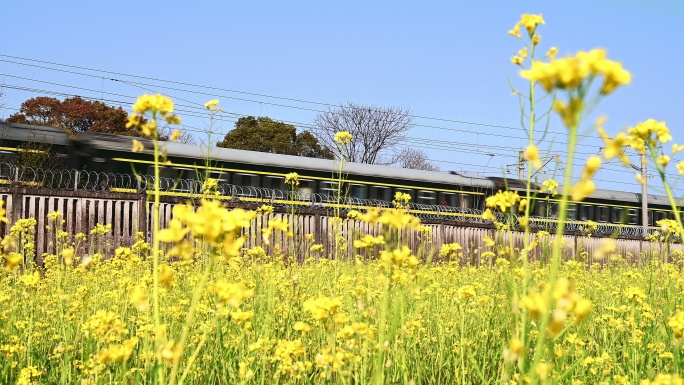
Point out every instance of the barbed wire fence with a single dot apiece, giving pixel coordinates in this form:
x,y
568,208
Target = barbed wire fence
x,y
93,181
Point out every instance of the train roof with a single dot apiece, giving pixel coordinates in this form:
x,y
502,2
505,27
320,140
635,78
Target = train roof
x,y
291,162
50,135
32,133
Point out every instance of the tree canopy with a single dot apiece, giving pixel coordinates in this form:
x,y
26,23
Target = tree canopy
x,y
267,135
73,115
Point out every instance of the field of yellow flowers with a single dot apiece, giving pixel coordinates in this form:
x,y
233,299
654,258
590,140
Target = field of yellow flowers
x,y
259,318
194,306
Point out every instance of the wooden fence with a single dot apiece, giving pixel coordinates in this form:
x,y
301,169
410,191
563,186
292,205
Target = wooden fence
x,y
129,213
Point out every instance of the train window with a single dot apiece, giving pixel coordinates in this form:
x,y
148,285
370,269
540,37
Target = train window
x,y
220,176
616,215
184,179
164,172
447,199
586,212
427,197
306,187
186,173
247,180
632,216
657,215
602,214
546,208
650,218
328,188
465,201
275,183
380,193
572,211
357,191
6,158
541,208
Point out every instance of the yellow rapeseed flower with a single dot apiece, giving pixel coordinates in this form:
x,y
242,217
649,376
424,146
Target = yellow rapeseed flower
x,y
551,53
292,179
583,189
231,294
12,260
139,298
175,135
211,105
550,186
137,146
342,138
568,73
322,307
503,200
532,155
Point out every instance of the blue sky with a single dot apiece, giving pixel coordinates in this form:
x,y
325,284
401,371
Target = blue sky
x,y
446,61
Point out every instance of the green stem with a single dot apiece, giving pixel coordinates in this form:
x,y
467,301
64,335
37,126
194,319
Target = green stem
x,y
556,255
189,318
155,256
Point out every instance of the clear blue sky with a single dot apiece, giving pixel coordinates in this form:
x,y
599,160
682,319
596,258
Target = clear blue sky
x,y
444,60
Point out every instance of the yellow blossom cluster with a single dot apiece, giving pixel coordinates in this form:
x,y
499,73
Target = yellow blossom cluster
x,y
670,229
449,251
401,200
503,200
342,138
292,179
231,294
321,308
549,186
570,73
565,301
369,240
212,222
156,105
586,186
530,22
398,258
676,323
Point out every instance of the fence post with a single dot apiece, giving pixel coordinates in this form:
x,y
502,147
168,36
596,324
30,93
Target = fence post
x,y
143,215
17,206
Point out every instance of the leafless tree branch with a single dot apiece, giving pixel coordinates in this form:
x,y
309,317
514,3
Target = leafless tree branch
x,y
376,131
415,159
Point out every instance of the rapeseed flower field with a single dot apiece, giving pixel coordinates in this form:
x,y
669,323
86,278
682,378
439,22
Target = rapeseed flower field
x,y
194,305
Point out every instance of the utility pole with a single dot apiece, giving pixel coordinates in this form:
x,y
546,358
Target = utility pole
x,y
644,196
521,165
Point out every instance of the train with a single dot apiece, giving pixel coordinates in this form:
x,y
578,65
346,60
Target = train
x,y
256,177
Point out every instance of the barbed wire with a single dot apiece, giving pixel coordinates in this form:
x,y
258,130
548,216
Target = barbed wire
x,y
94,181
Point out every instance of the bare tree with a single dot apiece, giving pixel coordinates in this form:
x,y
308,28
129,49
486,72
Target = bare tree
x,y
414,159
376,131
185,136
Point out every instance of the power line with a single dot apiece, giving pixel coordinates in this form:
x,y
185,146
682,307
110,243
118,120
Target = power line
x,y
329,105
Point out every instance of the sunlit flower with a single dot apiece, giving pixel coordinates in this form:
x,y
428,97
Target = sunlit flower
x,y
138,146
342,138
292,179
211,105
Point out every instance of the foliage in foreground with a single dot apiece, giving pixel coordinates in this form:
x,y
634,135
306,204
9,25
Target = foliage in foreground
x,y
195,306
392,319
